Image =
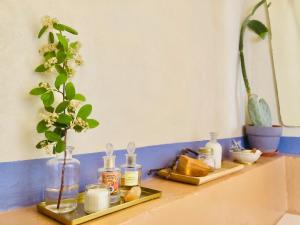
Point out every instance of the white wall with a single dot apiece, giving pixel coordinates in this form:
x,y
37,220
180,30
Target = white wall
x,y
155,71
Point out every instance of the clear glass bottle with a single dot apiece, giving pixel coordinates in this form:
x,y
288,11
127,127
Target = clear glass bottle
x,y
131,171
207,155
217,149
110,175
54,168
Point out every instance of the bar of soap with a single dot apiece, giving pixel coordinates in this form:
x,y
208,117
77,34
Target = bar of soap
x,y
192,167
133,194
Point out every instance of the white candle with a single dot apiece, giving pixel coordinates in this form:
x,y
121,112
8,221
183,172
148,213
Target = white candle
x,y
96,199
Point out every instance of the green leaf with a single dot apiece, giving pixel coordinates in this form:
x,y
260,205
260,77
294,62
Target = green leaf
x,y
52,136
41,126
58,26
47,98
258,27
79,97
51,38
85,111
70,30
59,131
49,109
92,123
60,79
38,91
41,68
60,125
62,106
61,56
49,55
60,147
77,128
64,119
70,91
42,31
63,41
42,144
59,69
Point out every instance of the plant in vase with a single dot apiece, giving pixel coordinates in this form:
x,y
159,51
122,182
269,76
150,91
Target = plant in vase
x,y
59,58
261,134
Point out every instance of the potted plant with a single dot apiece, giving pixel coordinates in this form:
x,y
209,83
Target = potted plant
x,y
260,133
60,57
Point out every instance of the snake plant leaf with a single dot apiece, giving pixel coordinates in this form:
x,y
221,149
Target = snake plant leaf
x,y
258,27
265,113
85,111
42,31
259,112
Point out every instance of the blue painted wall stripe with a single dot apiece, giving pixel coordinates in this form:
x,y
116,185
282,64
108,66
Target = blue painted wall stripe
x,y
22,182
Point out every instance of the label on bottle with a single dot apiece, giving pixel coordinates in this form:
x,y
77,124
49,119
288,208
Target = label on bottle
x,y
111,179
131,178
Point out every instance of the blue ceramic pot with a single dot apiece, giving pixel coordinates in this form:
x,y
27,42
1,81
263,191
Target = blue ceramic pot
x,y
265,139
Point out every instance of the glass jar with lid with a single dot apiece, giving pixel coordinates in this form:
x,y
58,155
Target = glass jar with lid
x,y
207,155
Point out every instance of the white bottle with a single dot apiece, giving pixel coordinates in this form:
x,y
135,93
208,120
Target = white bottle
x,y
217,149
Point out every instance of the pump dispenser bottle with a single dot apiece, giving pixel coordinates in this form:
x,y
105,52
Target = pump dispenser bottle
x,y
110,175
131,171
217,149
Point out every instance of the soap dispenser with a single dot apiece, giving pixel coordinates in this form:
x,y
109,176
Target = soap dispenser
x,y
131,171
110,175
217,149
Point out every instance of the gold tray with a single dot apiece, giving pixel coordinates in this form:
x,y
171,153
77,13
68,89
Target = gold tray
x,y
228,167
79,216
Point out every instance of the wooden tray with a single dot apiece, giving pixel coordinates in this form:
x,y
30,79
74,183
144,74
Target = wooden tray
x,y
228,167
79,216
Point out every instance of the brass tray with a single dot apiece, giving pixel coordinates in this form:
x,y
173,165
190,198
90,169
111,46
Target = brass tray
x,y
228,167
79,216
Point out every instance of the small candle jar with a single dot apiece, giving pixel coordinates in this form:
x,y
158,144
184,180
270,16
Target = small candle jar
x,y
96,198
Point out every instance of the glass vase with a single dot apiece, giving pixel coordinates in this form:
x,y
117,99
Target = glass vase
x,y
70,179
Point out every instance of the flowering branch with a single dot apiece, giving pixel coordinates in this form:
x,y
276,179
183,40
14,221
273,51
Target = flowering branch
x,y
59,58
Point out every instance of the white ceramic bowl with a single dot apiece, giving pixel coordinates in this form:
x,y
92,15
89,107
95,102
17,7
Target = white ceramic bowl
x,y
246,156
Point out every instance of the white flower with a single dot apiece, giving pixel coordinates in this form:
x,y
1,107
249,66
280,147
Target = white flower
x,y
73,105
48,48
70,71
80,122
78,59
50,62
44,85
50,118
48,21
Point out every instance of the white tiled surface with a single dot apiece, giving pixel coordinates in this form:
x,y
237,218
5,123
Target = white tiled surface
x,y
289,219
